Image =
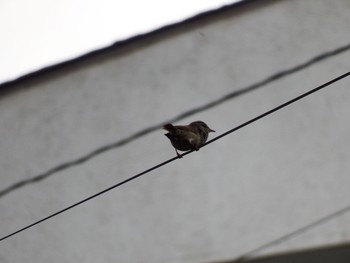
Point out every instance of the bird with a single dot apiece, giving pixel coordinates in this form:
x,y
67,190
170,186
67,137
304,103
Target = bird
x,y
187,137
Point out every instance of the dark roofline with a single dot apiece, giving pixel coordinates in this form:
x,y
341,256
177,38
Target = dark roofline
x,y
119,44
339,253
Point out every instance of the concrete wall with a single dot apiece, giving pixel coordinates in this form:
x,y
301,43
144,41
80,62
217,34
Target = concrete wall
x,y
232,196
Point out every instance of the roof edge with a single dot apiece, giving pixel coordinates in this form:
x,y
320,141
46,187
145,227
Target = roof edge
x,y
124,42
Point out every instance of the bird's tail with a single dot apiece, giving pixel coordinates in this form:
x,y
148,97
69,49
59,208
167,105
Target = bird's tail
x,y
170,128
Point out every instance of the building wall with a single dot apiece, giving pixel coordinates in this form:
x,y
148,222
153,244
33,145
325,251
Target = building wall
x,y
255,185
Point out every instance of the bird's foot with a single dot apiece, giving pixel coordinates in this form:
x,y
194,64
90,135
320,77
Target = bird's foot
x,y
179,155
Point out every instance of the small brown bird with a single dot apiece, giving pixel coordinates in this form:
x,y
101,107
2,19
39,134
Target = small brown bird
x,y
187,137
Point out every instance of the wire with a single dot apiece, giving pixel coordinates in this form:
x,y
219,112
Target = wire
x,y
188,152
281,106
227,97
296,232
89,198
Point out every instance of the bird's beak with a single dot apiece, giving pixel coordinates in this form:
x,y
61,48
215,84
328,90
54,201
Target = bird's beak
x,y
211,130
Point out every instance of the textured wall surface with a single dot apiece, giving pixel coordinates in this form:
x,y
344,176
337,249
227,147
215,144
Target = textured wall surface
x,y
253,186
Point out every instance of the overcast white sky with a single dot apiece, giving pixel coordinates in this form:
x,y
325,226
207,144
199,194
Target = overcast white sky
x,y
39,33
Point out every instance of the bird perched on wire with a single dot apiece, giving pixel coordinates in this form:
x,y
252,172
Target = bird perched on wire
x,y
187,137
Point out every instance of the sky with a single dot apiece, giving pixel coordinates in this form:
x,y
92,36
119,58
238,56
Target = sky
x,y
40,33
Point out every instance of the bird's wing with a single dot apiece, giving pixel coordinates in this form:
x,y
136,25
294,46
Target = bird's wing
x,y
176,129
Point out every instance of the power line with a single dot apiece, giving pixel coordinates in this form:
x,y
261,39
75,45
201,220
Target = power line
x,y
281,106
174,158
89,198
294,233
227,97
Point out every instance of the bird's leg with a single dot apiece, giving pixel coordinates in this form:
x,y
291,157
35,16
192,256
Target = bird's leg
x,y
178,155
194,144
195,147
